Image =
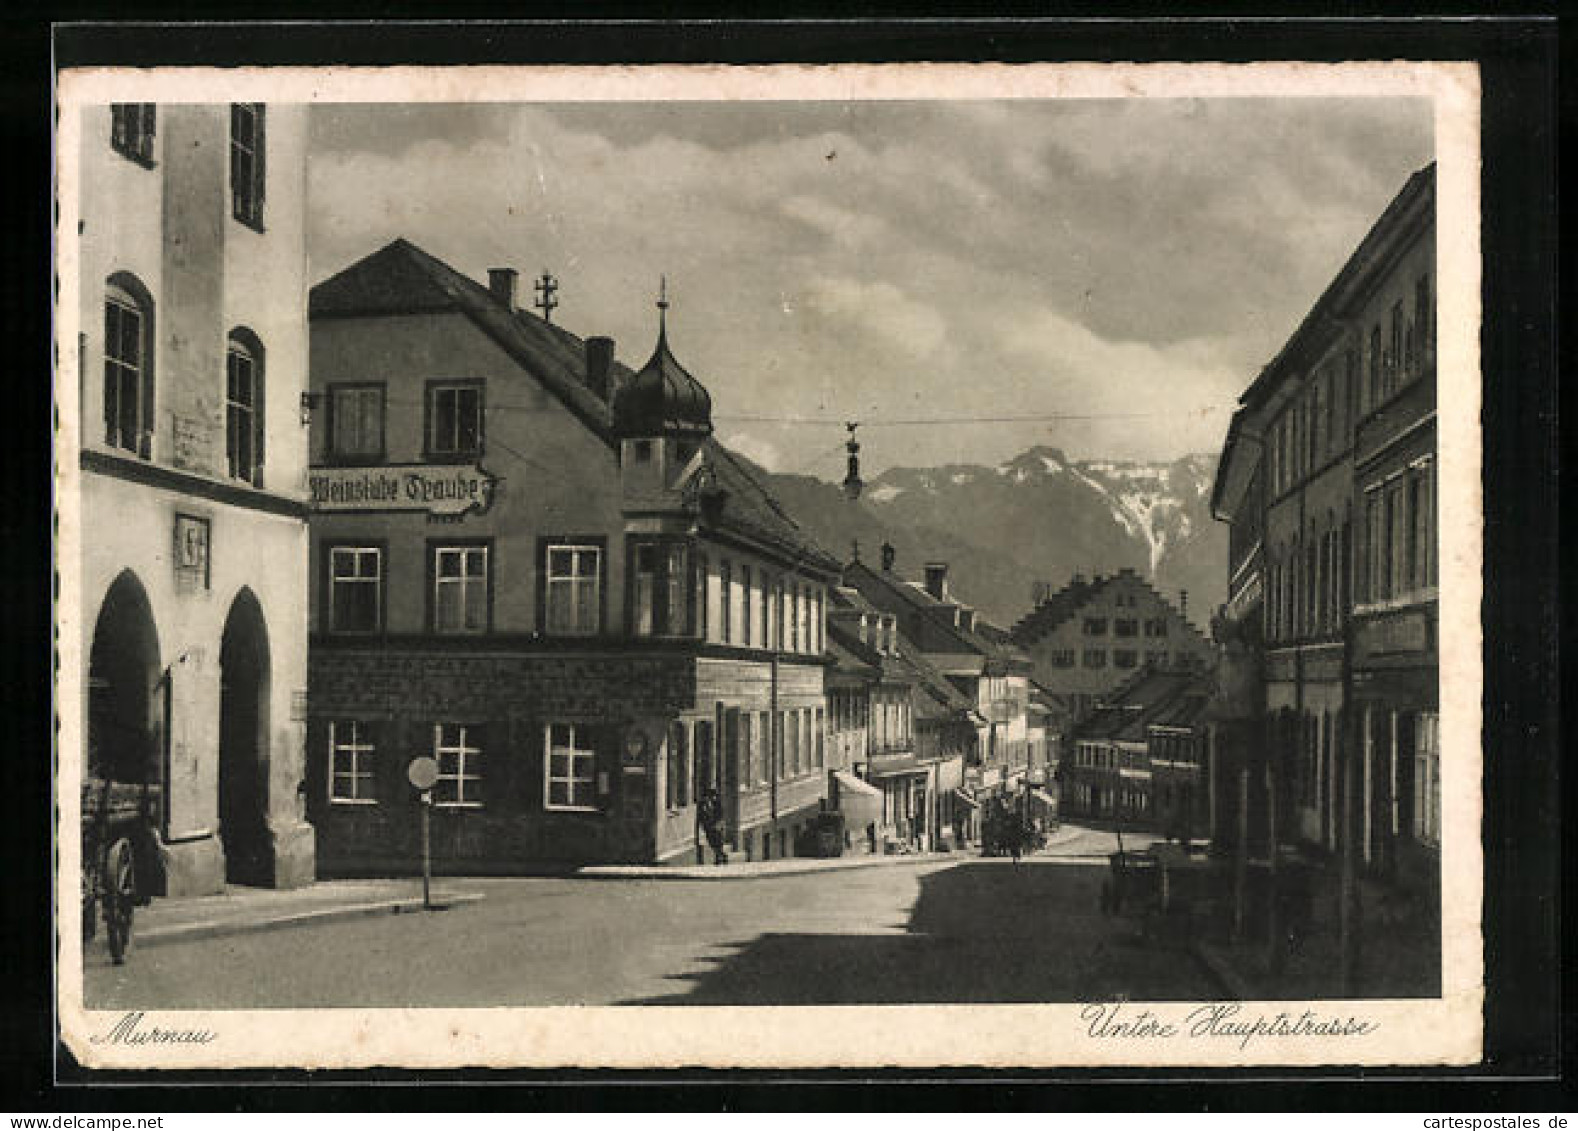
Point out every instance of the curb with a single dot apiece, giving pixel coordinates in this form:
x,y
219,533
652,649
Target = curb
x,y
724,872
188,932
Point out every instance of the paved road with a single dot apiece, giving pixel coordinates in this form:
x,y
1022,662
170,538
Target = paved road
x,y
967,931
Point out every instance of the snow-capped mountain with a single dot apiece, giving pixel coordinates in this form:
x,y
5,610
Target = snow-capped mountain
x,y
1039,517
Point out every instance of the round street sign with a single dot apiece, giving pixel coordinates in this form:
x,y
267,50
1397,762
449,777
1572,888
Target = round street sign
x,y
422,772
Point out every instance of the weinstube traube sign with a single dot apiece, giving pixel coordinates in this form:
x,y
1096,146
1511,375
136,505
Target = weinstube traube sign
x,y
448,489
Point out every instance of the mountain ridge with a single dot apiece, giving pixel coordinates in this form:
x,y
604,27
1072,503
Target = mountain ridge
x,y
1039,517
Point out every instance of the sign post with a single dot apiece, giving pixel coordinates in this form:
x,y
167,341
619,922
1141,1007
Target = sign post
x,y
423,774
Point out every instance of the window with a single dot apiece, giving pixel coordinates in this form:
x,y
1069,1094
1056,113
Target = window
x,y
355,588
1125,658
247,163
570,768
1125,627
1423,313
767,611
1375,392
1061,657
794,617
764,736
351,762
702,597
356,423
459,756
821,750
726,599
128,376
1350,381
460,589
1095,626
132,130
643,450
1156,659
244,409
1394,359
454,421
1427,778
677,790
1095,657
574,598
660,588
745,604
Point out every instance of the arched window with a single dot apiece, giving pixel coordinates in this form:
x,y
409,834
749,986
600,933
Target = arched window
x,y
244,407
128,366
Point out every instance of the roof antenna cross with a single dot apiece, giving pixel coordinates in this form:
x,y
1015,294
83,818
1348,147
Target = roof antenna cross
x,y
546,286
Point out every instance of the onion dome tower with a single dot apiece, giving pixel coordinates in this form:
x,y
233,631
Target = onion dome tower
x,y
660,417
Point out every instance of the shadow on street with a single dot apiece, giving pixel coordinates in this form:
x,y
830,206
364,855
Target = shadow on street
x,y
979,932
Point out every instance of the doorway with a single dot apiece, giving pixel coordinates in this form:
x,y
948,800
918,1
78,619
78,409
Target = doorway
x,y
243,731
123,671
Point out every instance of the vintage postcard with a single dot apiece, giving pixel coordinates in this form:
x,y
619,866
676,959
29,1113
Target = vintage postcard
x,y
914,565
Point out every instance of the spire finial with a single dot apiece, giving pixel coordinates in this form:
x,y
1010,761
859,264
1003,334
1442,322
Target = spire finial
x,y
662,305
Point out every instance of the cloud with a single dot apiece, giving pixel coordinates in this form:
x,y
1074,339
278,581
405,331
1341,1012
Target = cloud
x,y
883,261
756,449
879,309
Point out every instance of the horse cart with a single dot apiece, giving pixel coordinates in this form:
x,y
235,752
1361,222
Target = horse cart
x,y
118,819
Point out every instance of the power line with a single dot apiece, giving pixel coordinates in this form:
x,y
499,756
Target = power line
x,y
877,422
1036,418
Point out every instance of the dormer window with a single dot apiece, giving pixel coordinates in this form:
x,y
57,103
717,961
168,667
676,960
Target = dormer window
x,y
643,451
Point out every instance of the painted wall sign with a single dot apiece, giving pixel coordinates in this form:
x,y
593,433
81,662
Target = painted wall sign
x,y
451,489
191,548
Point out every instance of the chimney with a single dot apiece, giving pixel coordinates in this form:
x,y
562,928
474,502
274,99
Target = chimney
x,y
888,554
599,364
501,282
937,580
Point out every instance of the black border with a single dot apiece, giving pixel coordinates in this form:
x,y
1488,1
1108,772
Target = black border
x,y
1518,59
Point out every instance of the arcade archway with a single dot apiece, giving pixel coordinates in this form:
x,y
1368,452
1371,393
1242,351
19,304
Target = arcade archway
x,y
243,742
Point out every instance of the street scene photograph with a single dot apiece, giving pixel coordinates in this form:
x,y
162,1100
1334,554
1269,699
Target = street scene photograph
x,y
754,552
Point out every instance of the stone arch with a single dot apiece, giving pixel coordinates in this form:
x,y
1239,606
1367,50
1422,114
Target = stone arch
x,y
125,721
245,678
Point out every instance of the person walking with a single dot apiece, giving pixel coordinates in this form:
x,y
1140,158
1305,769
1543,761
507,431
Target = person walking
x,y
710,815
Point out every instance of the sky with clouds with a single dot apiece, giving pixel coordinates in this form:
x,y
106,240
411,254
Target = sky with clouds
x,y
1118,269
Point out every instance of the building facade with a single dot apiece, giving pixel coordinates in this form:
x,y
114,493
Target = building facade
x,y
1328,480
966,662
193,356
539,568
1093,635
1140,759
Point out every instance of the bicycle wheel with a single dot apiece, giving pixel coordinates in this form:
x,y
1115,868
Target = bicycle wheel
x,y
120,897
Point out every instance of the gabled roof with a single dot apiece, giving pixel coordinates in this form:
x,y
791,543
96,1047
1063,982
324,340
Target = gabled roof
x,y
930,682
750,509
1056,610
848,599
401,278
847,662
1145,700
888,668
931,626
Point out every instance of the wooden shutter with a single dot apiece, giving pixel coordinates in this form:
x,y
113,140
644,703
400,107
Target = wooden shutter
x,y
259,400
259,157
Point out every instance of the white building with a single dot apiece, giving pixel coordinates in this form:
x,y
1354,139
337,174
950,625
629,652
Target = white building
x,y
192,580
